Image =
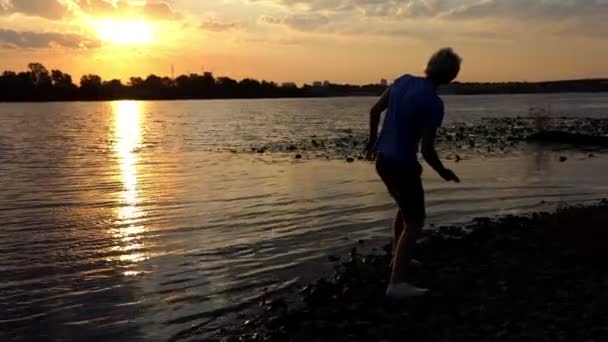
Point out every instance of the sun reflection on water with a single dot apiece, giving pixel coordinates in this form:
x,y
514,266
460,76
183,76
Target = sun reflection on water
x,y
127,137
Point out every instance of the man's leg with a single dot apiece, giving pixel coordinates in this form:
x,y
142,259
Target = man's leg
x,y
404,251
410,197
398,226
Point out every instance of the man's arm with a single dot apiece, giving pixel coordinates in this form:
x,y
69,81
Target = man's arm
x,y
430,156
374,121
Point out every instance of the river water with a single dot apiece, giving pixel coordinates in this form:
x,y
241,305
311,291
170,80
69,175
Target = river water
x,y
145,221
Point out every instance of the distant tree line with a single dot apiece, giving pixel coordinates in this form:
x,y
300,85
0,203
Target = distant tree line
x,y
574,86
40,84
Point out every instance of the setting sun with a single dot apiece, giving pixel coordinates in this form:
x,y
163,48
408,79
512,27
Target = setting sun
x,y
125,32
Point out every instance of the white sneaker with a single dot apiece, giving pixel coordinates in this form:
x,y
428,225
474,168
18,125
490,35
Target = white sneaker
x,y
404,290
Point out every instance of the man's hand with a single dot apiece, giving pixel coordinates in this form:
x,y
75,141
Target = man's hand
x,y
449,176
430,156
370,150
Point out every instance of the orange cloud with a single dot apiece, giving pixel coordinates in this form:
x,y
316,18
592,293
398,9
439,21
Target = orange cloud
x,y
301,22
150,9
50,9
40,40
219,26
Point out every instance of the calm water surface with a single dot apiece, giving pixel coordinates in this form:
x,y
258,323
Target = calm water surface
x,y
128,220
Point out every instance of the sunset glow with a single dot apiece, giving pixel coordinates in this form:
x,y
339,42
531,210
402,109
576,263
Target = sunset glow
x,y
347,41
125,32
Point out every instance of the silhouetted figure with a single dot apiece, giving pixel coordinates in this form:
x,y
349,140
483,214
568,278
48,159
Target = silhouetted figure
x,y
415,112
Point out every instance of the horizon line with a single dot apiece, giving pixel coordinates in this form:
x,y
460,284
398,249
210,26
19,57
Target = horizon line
x,y
311,83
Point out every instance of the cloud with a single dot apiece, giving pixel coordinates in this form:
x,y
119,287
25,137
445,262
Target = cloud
x,y
150,9
368,7
532,9
538,9
50,9
219,26
160,9
300,22
267,19
96,6
340,25
393,8
429,19
40,40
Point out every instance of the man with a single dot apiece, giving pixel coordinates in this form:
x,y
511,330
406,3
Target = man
x,y
415,112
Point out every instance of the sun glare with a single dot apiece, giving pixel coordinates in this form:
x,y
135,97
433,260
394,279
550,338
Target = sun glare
x,y
125,32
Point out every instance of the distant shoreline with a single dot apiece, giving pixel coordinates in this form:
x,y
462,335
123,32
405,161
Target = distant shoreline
x,y
38,84
283,97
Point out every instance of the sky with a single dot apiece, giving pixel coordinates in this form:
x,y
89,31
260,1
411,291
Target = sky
x,y
346,41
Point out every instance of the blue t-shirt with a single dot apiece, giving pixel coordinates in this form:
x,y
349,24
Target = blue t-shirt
x,y
413,106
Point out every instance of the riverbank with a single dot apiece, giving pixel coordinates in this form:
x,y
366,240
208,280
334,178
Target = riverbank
x,y
540,277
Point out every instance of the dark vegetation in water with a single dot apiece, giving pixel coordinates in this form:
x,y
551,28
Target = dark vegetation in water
x,y
569,138
40,84
588,85
540,277
490,137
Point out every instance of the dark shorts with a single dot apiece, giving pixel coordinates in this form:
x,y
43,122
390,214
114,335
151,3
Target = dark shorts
x,y
404,183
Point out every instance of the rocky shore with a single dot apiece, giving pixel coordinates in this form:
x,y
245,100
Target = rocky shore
x,y
541,277
489,137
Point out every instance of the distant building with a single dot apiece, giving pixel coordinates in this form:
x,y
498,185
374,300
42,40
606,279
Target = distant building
x,y
326,84
384,82
317,84
289,85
